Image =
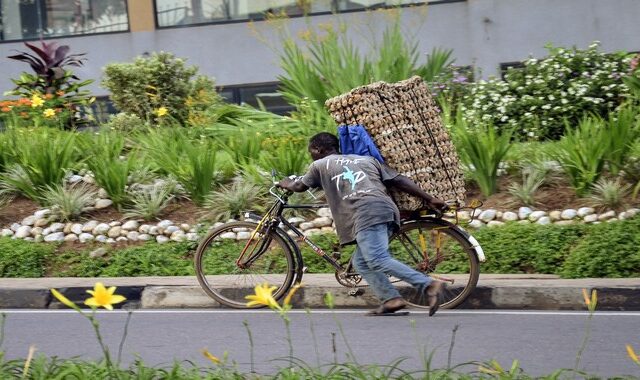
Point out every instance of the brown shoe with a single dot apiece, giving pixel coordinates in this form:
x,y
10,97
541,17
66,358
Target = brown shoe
x,y
434,293
389,307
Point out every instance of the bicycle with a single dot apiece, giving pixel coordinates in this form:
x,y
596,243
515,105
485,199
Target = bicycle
x,y
258,250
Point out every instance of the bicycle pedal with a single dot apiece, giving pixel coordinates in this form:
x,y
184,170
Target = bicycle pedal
x,y
356,292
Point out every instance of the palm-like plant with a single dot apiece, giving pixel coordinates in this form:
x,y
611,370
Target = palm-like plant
x,y
609,194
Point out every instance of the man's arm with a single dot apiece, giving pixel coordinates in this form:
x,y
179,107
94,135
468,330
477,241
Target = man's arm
x,y
405,184
293,185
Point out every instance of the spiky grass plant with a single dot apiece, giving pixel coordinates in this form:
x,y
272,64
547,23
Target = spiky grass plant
x,y
532,179
111,168
582,153
231,200
623,131
15,181
149,202
68,203
481,148
44,156
609,194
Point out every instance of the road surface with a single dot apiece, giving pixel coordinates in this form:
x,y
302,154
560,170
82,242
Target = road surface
x,y
541,341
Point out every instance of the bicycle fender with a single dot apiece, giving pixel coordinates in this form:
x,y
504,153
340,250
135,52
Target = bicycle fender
x,y
296,252
472,240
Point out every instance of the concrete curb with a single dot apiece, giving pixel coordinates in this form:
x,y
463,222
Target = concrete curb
x,y
532,292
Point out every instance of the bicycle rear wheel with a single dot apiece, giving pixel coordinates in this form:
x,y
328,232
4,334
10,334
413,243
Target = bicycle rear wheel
x,y
440,251
267,259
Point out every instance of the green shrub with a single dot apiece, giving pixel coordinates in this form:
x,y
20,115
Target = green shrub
x,y
609,250
529,248
141,88
175,259
19,258
540,98
68,203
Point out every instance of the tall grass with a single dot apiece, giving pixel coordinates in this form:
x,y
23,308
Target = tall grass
x,y
481,149
582,153
329,64
110,163
42,156
623,130
192,161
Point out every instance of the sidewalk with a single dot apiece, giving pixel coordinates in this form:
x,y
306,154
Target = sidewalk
x,y
539,292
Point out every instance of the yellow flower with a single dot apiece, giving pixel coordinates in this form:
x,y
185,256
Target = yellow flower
x,y
49,112
162,111
263,296
632,354
287,299
592,301
36,101
210,356
63,299
103,297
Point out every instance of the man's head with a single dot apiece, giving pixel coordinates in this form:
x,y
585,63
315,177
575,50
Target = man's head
x,y
322,145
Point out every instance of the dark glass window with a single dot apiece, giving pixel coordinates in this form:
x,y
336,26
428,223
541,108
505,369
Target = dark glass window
x,y
188,12
30,19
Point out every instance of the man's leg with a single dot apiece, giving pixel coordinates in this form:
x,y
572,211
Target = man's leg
x,y
378,281
373,246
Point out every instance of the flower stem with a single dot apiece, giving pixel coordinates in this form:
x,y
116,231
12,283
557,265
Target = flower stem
x,y
124,336
246,326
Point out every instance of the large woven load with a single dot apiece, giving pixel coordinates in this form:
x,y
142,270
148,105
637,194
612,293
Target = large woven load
x,y
404,122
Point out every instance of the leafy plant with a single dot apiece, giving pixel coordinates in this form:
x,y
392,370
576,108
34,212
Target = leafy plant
x,y
231,200
124,122
532,179
43,156
623,130
52,80
330,64
482,149
539,100
609,194
149,201
68,203
148,84
19,258
192,162
581,152
288,157
111,169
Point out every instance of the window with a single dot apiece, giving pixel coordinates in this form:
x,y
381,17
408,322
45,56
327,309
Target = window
x,y
257,95
30,19
188,12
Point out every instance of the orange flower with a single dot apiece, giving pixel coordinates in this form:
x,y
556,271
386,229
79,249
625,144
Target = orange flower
x,y
24,101
48,96
60,93
24,115
5,109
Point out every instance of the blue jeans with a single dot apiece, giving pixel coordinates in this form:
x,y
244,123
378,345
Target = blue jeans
x,y
373,261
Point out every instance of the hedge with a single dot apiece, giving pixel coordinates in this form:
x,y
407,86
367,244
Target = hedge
x,y
574,251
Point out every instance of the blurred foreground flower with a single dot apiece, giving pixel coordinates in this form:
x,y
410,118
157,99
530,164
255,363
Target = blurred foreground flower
x,y
65,301
590,301
103,297
210,356
632,354
263,296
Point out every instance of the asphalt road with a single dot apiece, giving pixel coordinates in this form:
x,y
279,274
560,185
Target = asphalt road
x,y
541,341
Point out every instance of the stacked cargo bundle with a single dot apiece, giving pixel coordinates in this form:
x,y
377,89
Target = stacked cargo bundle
x,y
403,121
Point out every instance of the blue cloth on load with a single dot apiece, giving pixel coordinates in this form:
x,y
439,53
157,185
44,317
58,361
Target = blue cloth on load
x,y
354,139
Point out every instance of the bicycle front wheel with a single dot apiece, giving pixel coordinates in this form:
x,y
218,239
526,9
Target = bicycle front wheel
x,y
236,257
440,251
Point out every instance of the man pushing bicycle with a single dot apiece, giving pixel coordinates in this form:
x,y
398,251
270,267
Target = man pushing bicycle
x,y
356,188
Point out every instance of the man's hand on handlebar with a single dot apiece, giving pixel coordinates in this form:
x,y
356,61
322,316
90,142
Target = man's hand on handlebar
x,y
292,184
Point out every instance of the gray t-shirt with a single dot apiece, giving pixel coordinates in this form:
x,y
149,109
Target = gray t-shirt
x,y
355,191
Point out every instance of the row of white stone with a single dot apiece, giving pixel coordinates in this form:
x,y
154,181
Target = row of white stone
x,y
36,227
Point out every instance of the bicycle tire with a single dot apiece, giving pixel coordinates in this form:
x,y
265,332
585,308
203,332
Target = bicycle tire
x,y
224,281
456,263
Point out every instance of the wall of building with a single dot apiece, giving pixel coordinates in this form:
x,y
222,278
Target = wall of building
x,y
483,33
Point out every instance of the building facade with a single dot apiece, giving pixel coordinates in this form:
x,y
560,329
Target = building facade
x,y
232,41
